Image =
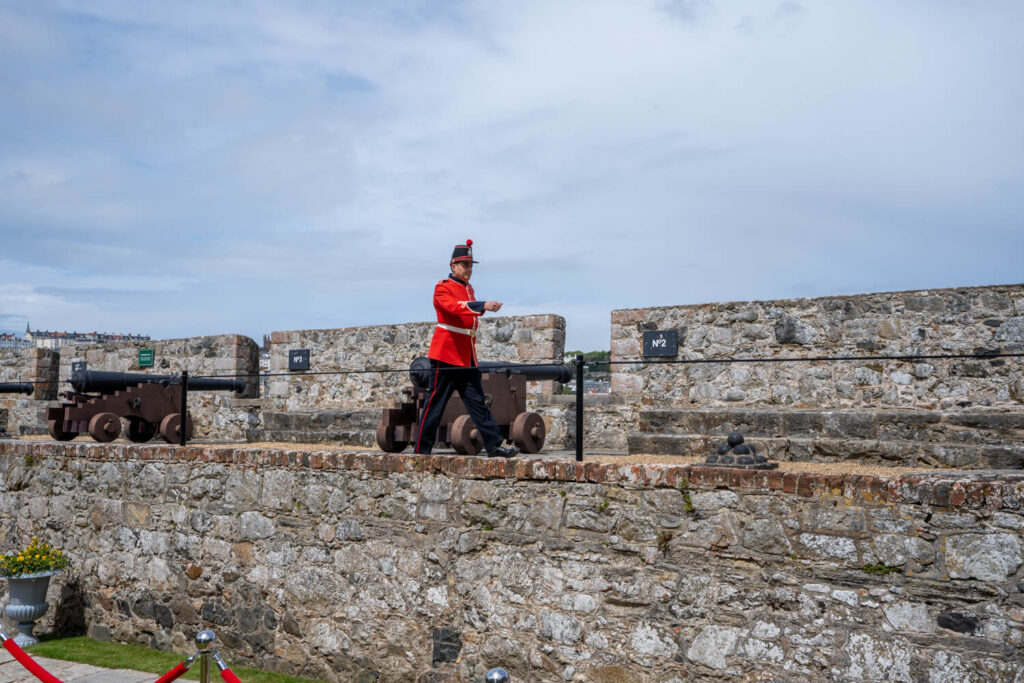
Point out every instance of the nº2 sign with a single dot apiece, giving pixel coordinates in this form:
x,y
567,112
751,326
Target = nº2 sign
x,y
660,343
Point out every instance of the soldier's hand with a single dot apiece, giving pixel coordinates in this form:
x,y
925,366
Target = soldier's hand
x,y
492,306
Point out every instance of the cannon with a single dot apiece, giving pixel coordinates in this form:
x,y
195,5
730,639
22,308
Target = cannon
x,y
149,403
505,392
16,387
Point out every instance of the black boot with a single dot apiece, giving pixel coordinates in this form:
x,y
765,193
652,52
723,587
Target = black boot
x,y
503,452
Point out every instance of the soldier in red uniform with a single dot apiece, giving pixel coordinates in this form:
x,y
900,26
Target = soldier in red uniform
x,y
453,357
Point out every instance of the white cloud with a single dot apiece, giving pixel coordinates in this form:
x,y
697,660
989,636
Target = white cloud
x,y
271,165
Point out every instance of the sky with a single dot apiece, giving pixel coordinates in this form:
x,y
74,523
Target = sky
x,y
198,168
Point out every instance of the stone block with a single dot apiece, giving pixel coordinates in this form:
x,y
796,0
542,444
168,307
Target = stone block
x,y
986,557
626,383
829,547
713,645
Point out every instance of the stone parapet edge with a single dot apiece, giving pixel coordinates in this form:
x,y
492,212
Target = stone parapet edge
x,y
994,490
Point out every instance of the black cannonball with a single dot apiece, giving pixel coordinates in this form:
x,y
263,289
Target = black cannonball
x,y
744,460
751,447
712,459
726,460
735,438
723,449
741,449
760,459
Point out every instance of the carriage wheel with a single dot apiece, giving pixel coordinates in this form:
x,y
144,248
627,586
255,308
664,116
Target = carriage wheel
x,y
56,429
386,439
104,427
170,428
139,430
464,436
527,432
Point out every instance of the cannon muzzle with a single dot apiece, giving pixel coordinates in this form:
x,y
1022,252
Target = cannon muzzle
x,y
555,371
16,388
419,371
99,381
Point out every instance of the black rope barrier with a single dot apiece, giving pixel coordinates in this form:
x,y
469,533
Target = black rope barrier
x,y
812,359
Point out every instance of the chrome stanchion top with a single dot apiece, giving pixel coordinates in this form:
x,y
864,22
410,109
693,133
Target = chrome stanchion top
x,y
204,639
497,675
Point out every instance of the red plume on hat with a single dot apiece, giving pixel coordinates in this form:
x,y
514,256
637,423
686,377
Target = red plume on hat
x,y
463,252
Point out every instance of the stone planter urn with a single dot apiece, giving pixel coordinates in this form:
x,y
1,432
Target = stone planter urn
x,y
28,603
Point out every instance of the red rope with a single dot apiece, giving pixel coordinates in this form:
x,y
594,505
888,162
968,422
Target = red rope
x,y
29,663
228,676
173,674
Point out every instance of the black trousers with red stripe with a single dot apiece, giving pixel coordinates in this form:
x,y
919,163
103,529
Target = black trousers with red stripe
x,y
444,379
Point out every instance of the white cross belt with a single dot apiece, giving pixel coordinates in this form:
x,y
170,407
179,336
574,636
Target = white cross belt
x,y
459,330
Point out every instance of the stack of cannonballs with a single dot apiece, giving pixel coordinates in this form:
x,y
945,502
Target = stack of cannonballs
x,y
736,453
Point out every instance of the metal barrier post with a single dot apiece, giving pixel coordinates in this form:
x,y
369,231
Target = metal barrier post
x,y
204,639
579,407
183,429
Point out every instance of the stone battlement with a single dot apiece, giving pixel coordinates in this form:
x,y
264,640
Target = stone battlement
x,y
346,564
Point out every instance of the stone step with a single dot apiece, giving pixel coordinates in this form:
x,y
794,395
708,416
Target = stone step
x,y
351,427
365,438
895,453
932,426
347,420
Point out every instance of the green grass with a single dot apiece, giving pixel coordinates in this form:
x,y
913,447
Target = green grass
x,y
138,658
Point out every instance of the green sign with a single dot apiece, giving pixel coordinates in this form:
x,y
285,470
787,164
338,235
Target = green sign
x,y
145,358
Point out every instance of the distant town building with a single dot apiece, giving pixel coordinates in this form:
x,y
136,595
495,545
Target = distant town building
x,y
13,341
54,340
590,386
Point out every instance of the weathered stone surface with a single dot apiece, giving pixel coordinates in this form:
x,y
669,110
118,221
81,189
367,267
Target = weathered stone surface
x,y
987,557
894,550
877,659
767,536
764,578
906,616
1011,331
560,627
790,330
925,322
713,645
829,547
254,525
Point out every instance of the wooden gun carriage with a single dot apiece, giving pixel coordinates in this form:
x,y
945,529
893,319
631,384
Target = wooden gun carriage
x,y
149,403
504,387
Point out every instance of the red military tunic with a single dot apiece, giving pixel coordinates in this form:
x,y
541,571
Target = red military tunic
x,y
458,312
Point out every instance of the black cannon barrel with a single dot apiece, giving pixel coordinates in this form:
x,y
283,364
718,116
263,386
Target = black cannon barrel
x,y
419,371
104,382
556,371
16,388
235,384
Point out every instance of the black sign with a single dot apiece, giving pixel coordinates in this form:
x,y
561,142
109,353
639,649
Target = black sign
x,y
77,366
298,359
661,343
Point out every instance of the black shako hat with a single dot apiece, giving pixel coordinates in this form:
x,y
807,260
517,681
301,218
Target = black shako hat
x,y
463,252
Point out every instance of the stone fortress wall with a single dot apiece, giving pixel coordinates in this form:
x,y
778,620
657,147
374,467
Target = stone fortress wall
x,y
27,365
296,406
345,408
721,396
518,339
931,322
349,566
